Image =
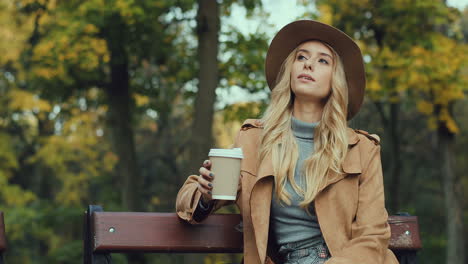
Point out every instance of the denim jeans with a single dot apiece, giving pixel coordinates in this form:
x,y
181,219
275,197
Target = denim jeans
x,y
317,254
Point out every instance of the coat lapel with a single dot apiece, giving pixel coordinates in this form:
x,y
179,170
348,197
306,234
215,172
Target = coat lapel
x,y
265,168
260,202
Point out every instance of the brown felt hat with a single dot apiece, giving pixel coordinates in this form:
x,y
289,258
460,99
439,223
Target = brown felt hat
x,y
295,33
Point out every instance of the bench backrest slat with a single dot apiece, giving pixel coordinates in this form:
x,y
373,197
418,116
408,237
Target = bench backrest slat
x,y
405,233
165,232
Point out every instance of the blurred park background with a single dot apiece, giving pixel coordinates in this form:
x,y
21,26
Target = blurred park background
x,y
116,102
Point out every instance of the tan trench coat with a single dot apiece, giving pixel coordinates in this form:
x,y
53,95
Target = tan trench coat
x,y
350,208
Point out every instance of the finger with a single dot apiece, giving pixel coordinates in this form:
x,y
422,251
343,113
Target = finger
x,y
205,184
205,192
207,164
206,174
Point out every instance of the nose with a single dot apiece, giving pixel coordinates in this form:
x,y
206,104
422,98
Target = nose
x,y
309,64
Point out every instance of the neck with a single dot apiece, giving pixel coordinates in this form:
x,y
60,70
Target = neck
x,y
307,111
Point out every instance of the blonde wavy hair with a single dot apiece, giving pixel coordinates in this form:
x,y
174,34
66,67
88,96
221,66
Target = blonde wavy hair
x,y
330,138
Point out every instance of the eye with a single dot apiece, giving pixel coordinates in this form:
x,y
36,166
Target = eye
x,y
301,57
324,61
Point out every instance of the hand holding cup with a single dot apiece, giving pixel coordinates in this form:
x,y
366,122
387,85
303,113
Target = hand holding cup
x,y
225,163
205,185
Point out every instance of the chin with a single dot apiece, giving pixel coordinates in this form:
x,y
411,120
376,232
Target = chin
x,y
309,95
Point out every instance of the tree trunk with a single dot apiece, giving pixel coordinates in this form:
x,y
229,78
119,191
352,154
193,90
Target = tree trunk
x,y
453,199
392,136
396,152
120,118
452,186
208,24
120,121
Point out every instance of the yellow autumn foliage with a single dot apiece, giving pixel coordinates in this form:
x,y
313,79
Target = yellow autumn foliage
x,y
90,29
141,100
14,195
374,85
21,100
452,126
425,107
77,148
60,51
11,194
438,74
326,14
15,29
28,2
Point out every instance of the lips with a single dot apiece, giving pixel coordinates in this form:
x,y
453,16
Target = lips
x,y
304,76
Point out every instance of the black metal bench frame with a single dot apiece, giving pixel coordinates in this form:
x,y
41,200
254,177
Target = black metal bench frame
x,y
3,246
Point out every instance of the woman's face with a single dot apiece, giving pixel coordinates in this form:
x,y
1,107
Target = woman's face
x,y
312,71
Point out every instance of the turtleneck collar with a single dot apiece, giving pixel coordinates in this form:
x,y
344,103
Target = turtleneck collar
x,y
302,129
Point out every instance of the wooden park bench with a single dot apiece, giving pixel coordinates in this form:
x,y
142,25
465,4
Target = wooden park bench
x,y
2,237
127,232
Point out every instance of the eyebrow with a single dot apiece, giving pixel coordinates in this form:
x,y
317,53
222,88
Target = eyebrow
x,y
320,53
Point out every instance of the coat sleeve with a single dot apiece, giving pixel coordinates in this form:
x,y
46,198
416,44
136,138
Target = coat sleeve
x,y
188,198
370,231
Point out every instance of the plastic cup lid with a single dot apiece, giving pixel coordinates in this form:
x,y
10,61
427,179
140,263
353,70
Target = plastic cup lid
x,y
228,153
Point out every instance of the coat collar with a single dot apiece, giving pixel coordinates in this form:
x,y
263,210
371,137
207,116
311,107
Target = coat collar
x,y
353,138
351,164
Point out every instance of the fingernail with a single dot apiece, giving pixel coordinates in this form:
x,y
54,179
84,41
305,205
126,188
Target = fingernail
x,y
211,175
206,162
209,184
209,192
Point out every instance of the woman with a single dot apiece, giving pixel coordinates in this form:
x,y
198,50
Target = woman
x,y
311,189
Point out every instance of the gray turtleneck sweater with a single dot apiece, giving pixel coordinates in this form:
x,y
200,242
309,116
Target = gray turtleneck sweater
x,y
290,223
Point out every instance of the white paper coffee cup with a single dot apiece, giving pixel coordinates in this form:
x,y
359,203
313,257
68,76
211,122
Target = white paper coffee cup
x,y
225,164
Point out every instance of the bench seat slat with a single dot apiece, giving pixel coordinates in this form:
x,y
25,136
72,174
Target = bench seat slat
x,y
165,232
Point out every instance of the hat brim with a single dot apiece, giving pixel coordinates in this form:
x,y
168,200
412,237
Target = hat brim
x,y
295,33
